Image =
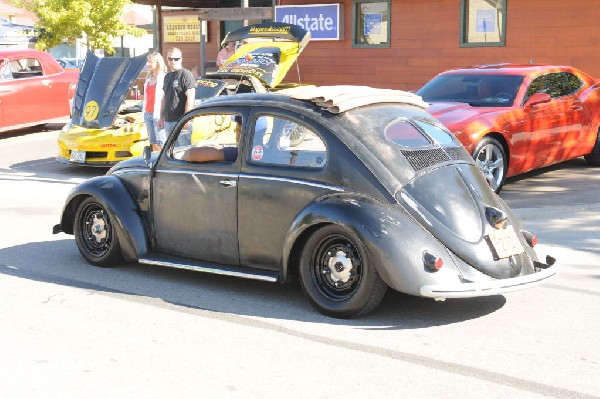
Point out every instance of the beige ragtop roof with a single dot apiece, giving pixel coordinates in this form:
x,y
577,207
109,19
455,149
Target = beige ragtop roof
x,y
337,99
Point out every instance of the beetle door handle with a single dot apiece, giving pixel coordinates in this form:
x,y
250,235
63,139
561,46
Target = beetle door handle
x,y
228,183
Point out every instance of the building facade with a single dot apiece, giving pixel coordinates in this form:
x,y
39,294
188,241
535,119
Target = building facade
x,y
401,44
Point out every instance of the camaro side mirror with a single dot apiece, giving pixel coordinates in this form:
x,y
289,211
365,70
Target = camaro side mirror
x,y
538,98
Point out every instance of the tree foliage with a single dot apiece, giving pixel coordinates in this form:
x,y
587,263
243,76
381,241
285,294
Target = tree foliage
x,y
97,22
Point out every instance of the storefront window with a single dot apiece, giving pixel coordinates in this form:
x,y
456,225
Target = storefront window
x,y
483,23
371,23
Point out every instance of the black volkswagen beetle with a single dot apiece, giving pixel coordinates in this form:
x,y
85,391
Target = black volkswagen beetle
x,y
350,189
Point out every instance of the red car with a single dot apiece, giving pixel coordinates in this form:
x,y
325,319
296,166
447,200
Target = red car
x,y
515,118
34,88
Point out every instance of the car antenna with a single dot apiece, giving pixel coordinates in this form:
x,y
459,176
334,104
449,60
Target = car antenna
x,y
531,61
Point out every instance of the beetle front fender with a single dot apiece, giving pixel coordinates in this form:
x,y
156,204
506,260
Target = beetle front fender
x,y
111,193
393,240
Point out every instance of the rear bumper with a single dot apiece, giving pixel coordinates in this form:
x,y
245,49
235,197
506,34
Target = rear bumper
x,y
487,288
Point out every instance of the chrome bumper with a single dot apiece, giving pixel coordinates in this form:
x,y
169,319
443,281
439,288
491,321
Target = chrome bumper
x,y
487,288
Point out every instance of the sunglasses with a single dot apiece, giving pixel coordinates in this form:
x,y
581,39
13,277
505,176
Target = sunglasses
x,y
173,58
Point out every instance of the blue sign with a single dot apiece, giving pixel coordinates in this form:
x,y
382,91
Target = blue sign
x,y
323,21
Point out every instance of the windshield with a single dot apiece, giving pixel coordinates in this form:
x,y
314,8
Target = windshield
x,y
483,90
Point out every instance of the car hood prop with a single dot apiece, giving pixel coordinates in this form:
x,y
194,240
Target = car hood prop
x,y
102,87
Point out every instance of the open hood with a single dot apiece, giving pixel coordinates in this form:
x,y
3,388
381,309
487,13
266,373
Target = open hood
x,y
102,87
268,51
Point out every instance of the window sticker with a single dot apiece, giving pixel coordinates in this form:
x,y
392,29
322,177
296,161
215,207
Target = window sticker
x,y
257,152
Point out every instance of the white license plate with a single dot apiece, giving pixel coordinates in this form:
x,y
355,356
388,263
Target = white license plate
x,y
77,156
504,243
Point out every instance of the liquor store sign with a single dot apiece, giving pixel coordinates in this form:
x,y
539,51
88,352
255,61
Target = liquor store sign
x,y
183,29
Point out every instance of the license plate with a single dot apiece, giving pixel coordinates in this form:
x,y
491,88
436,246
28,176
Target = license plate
x,y
77,156
504,243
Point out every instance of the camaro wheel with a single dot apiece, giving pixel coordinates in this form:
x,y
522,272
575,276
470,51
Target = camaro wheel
x,y
95,234
593,158
491,159
336,275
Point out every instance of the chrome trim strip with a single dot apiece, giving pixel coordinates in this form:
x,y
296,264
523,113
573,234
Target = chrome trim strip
x,y
130,170
294,181
256,177
212,270
195,172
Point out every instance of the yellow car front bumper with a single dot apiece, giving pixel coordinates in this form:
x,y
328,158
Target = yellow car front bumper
x,y
103,147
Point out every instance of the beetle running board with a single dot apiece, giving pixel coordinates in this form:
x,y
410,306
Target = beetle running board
x,y
207,267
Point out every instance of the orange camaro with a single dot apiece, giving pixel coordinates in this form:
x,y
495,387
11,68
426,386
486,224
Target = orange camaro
x,y
34,88
515,118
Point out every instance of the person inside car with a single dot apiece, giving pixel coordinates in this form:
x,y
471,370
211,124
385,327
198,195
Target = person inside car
x,y
212,153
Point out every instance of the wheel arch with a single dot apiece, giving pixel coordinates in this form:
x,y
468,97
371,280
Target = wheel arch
x,y
114,196
394,242
502,140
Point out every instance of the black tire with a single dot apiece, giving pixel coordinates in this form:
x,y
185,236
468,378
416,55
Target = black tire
x,y
491,159
336,276
95,234
593,158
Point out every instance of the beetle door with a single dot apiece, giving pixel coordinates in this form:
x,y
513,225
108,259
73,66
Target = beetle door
x,y
194,205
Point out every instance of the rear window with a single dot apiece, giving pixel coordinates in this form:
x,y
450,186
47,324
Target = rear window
x,y
417,133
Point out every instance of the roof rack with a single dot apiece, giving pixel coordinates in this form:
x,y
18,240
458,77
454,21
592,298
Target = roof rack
x,y
338,99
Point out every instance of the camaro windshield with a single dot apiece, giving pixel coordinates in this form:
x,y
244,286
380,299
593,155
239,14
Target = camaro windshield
x,y
482,90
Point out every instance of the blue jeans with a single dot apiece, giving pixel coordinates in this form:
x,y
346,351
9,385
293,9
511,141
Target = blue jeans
x,y
184,135
155,136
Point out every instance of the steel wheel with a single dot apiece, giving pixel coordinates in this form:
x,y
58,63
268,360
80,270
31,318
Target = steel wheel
x,y
336,268
336,276
95,235
491,159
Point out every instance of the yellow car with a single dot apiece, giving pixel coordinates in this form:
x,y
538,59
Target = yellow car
x,y
103,130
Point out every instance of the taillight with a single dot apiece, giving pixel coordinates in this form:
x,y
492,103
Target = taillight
x,y
531,239
431,262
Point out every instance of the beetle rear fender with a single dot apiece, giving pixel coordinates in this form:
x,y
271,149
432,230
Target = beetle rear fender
x,y
112,194
394,241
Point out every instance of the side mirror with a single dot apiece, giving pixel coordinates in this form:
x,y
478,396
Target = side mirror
x,y
147,155
537,98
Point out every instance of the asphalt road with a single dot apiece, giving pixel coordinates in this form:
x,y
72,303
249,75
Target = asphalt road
x,y
70,330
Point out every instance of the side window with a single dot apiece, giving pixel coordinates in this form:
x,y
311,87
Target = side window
x,y
25,67
573,83
556,84
208,138
280,141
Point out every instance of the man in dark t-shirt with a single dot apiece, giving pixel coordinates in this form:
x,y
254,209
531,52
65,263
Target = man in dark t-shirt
x,y
180,91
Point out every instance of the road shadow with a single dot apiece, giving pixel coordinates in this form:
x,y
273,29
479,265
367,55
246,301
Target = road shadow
x,y
566,183
50,168
48,127
225,295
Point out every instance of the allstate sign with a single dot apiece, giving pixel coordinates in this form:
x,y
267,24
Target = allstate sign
x,y
322,20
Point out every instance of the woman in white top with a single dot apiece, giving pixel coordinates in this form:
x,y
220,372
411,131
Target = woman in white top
x,y
153,92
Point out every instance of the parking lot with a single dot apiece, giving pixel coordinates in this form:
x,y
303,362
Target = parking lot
x,y
72,330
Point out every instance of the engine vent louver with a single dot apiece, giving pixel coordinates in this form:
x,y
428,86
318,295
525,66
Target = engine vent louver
x,y
421,159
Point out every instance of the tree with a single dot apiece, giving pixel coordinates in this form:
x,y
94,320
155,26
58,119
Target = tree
x,y
98,22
